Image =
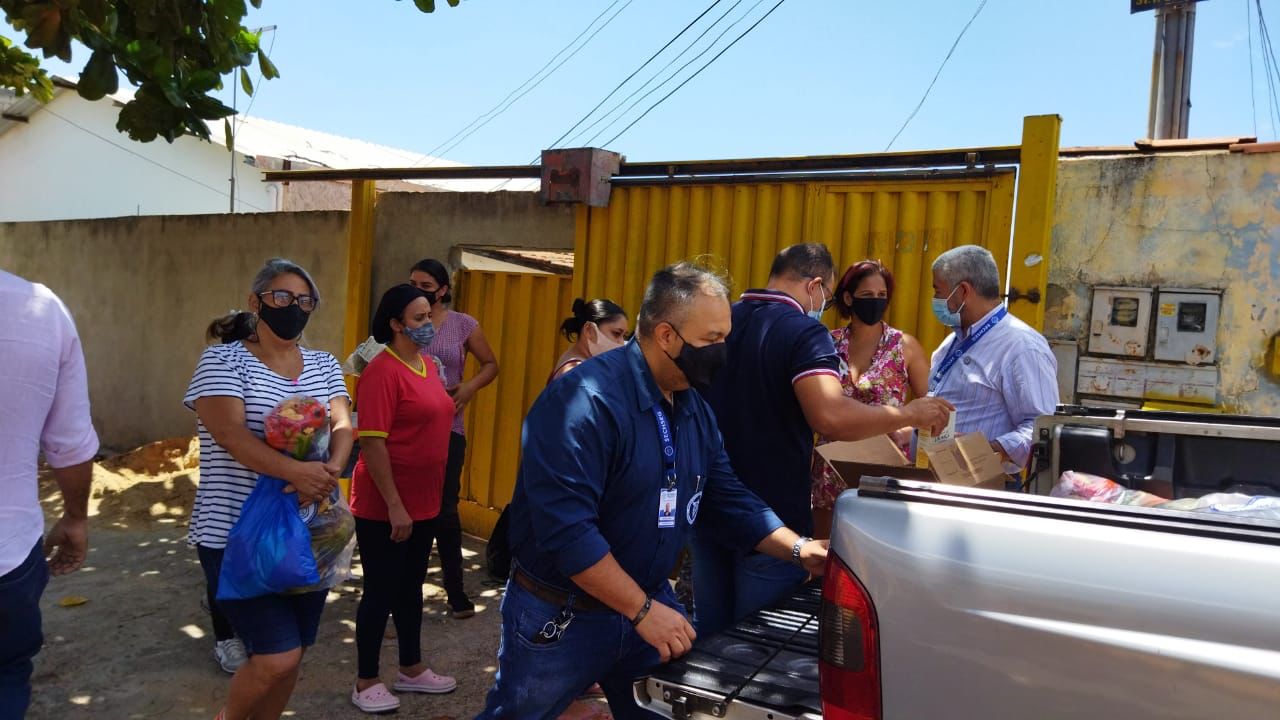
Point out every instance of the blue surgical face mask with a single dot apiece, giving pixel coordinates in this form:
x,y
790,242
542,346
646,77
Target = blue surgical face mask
x,y
421,336
816,314
944,313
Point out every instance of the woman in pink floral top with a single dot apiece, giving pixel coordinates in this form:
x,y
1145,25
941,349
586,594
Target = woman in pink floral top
x,y
879,365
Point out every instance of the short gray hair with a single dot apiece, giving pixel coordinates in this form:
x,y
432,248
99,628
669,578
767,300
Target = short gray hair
x,y
972,264
274,268
672,290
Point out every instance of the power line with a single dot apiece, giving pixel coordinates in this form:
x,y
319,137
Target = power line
x,y
1253,95
145,158
1272,68
636,72
936,75
238,121
488,117
668,79
697,73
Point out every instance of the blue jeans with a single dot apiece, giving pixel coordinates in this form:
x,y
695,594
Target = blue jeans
x,y
20,634
540,680
728,585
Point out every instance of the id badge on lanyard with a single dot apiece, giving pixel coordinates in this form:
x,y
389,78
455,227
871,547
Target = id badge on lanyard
x,y
668,495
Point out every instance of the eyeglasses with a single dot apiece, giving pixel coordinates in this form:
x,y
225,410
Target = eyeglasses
x,y
284,298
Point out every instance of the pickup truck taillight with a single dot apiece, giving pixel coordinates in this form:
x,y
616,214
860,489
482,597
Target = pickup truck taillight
x,y
849,642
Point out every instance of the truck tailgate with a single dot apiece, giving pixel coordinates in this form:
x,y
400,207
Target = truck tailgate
x,y
1005,605
766,666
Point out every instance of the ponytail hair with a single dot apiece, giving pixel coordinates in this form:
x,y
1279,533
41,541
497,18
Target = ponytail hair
x,y
232,327
596,311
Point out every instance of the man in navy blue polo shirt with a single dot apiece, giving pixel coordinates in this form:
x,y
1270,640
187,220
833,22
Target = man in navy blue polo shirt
x,y
620,460
780,385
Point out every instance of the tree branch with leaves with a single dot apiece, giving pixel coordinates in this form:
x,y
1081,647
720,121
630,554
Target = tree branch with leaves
x,y
175,52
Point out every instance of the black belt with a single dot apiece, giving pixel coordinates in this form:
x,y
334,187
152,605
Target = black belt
x,y
554,596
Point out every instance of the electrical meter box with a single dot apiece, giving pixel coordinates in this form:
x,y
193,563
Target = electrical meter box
x,y
1121,321
1187,326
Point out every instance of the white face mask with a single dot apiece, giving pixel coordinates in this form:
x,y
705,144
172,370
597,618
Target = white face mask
x,y
603,343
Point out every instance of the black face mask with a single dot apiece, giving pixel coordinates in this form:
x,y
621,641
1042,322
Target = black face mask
x,y
869,310
700,364
286,322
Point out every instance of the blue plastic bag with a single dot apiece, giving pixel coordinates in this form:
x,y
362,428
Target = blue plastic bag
x,y
269,548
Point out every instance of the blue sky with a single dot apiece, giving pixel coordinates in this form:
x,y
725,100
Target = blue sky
x,y
816,77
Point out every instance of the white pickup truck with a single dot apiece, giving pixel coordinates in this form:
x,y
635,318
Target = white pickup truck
x,y
944,602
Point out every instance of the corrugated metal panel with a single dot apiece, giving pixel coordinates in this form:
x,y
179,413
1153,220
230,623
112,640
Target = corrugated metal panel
x,y
521,315
905,224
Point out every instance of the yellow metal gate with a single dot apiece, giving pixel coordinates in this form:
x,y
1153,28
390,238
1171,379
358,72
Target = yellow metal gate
x,y
520,314
905,224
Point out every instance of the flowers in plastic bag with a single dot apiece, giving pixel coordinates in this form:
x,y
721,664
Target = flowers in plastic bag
x,y
298,426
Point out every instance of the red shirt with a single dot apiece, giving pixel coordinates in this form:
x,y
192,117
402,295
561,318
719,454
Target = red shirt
x,y
412,411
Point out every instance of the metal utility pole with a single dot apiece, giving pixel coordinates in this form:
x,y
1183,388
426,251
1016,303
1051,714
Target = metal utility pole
x,y
1170,109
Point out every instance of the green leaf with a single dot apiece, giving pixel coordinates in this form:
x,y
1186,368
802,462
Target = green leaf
x,y
256,3
426,6
454,3
245,82
229,138
99,77
268,68
203,81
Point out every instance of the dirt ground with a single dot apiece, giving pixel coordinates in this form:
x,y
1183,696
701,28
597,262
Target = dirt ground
x,y
140,645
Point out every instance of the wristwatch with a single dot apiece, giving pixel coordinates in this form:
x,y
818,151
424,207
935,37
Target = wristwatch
x,y
795,548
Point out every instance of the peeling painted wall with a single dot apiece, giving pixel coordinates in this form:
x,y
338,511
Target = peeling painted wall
x,y
1202,220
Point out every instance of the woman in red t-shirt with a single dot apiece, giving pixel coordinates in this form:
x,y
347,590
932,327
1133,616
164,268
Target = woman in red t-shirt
x,y
404,422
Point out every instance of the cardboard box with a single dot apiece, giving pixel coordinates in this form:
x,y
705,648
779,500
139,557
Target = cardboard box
x,y
967,461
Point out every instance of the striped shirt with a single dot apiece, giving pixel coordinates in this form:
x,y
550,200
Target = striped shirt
x,y
1001,385
450,347
232,371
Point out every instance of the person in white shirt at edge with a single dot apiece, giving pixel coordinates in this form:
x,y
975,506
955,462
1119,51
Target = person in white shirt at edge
x,y
998,371
46,409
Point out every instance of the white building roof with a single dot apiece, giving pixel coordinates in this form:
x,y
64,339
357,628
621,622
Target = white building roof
x,y
267,139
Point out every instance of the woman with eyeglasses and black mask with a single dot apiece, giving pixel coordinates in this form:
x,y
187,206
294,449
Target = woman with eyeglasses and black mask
x,y
258,362
879,365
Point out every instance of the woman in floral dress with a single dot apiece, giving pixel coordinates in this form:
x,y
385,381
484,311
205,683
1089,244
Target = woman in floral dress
x,y
879,365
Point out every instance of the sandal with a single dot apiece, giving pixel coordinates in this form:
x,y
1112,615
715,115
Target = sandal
x,y
377,699
427,682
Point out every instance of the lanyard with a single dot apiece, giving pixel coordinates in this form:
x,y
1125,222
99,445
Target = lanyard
x,y
667,438
958,349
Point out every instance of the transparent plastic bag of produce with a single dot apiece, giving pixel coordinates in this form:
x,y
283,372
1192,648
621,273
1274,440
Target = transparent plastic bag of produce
x,y
298,426
333,542
269,548
1235,504
1083,486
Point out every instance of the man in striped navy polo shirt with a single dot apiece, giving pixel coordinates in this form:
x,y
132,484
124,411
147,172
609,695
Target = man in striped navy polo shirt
x,y
781,384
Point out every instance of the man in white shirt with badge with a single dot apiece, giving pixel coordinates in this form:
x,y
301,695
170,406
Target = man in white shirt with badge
x,y
996,370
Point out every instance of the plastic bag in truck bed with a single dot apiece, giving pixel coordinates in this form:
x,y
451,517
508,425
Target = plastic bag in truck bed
x,y
1235,504
1083,486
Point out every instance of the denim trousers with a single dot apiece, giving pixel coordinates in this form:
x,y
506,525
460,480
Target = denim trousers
x,y
539,679
20,633
729,585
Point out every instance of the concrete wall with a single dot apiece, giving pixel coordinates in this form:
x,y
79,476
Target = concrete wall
x,y
71,162
1189,220
413,226
143,290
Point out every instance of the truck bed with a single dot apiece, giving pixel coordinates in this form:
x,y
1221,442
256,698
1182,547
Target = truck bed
x,y
766,666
